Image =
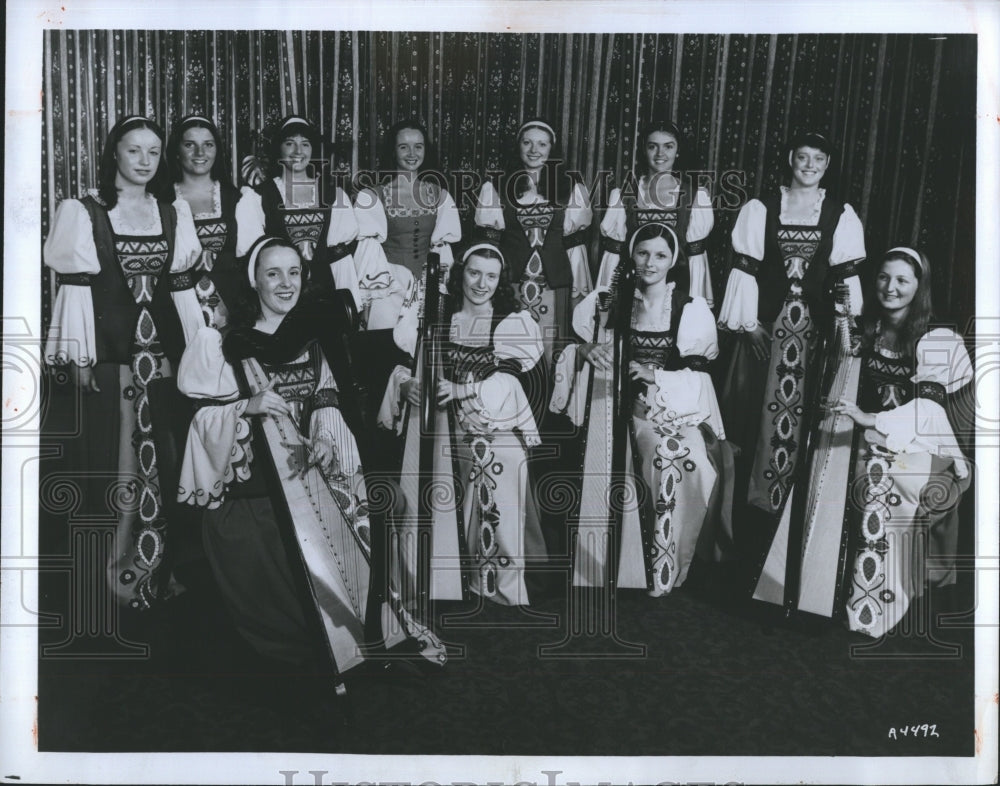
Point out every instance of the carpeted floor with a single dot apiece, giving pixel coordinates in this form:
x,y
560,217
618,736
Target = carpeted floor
x,y
710,676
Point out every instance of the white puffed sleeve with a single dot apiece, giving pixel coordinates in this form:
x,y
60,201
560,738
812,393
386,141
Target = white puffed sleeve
x,y
390,413
502,404
519,338
614,226
70,249
407,322
218,450
700,225
579,215
489,210
570,378
922,425
696,335
370,263
739,304
447,230
187,250
344,229
849,246
250,220
583,315
328,423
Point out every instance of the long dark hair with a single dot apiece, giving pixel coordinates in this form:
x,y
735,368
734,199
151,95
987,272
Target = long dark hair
x,y
220,168
504,300
921,310
245,309
108,169
553,182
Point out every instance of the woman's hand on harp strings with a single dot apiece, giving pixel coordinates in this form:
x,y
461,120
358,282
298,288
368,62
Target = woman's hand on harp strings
x,y
268,402
850,409
600,356
411,391
323,453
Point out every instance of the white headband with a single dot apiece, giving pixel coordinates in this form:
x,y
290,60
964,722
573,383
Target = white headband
x,y
259,246
484,247
299,121
196,118
631,243
910,253
537,124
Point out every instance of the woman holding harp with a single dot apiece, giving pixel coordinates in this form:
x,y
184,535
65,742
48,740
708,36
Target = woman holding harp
x,y
485,528
908,467
271,456
651,423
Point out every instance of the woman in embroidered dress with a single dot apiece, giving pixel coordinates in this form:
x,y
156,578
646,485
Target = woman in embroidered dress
x,y
661,194
911,468
539,219
676,475
271,457
792,248
200,177
483,411
292,204
400,222
123,313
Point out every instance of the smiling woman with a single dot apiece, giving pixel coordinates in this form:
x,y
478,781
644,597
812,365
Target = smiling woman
x,y
258,420
199,173
792,248
124,311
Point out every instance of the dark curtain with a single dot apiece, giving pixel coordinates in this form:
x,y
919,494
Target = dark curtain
x,y
901,109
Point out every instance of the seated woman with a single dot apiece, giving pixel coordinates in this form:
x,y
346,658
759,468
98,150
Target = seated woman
x,y
671,453
485,423
661,194
270,455
290,203
909,465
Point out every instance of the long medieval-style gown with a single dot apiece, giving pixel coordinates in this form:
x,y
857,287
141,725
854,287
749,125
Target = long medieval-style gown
x,y
269,509
126,306
677,468
909,474
780,280
485,529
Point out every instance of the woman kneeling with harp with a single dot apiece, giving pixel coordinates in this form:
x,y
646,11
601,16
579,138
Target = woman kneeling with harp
x,y
269,453
887,472
654,448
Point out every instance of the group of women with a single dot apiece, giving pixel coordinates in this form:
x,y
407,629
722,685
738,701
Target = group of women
x,y
372,385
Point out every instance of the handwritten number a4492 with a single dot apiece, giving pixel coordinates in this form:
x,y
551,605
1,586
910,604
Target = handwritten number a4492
x,y
922,730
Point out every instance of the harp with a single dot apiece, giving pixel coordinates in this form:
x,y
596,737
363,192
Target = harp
x,y
430,541
804,565
326,520
606,533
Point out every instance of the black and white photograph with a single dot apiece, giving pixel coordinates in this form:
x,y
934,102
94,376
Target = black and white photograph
x,y
511,392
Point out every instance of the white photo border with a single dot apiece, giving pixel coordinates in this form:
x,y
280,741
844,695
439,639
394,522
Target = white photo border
x,y
20,762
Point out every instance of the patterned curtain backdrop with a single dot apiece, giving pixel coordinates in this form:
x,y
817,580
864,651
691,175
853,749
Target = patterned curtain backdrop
x,y
901,109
